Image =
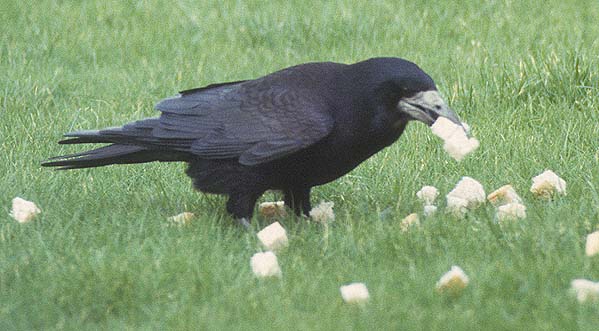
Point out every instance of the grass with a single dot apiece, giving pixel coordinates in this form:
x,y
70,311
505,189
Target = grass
x,y
522,74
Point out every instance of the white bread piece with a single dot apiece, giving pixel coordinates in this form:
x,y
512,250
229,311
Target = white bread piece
x,y
23,211
504,195
585,290
547,185
272,209
273,237
445,128
453,282
592,244
409,221
427,195
323,212
182,219
467,189
265,265
429,210
457,144
511,211
456,206
460,146
355,293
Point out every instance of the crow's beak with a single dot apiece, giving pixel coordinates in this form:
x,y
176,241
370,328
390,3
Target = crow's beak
x,y
426,107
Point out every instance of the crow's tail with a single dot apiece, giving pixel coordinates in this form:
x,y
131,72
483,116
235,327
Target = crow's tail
x,y
116,153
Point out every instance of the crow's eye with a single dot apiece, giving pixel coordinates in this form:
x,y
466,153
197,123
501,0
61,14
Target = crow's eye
x,y
408,93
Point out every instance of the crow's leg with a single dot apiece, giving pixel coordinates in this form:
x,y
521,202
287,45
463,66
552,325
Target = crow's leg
x,y
241,206
298,199
244,222
288,198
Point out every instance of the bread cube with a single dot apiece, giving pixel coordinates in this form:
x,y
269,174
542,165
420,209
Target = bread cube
x,y
459,147
355,293
273,237
444,128
547,185
511,211
427,195
323,212
272,209
467,194
453,282
456,142
265,265
457,206
409,221
585,290
23,211
429,210
184,218
469,189
504,195
592,244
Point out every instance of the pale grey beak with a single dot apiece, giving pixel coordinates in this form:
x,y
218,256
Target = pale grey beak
x,y
426,107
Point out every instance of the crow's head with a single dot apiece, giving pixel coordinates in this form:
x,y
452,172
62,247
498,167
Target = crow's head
x,y
407,90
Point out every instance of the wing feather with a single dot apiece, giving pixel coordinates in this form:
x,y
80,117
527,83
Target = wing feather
x,y
253,122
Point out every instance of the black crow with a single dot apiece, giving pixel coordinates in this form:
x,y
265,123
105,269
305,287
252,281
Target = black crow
x,y
291,130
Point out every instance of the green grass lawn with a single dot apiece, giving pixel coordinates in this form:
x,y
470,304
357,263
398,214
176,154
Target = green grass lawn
x,y
523,74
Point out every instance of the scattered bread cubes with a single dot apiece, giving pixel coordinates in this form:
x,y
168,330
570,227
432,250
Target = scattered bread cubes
x,y
457,144
265,265
273,237
184,218
592,244
323,213
453,282
547,185
408,222
585,290
272,209
23,211
355,293
467,194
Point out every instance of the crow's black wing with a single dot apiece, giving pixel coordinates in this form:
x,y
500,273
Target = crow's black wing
x,y
254,121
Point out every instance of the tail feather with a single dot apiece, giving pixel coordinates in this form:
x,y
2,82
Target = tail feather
x,y
132,143
84,137
134,132
111,154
